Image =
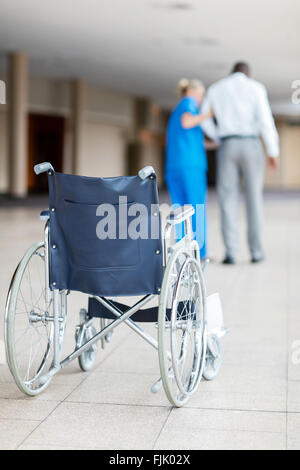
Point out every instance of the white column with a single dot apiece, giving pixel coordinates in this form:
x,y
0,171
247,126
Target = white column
x,y
17,123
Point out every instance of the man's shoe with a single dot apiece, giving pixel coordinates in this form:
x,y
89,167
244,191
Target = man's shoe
x,y
257,259
228,260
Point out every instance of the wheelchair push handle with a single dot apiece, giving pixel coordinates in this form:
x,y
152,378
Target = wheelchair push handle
x,y
42,168
181,214
146,172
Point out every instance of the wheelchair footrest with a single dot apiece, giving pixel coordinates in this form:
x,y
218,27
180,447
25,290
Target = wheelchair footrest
x,y
96,309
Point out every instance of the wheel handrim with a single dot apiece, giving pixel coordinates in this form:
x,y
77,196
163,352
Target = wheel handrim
x,y
28,321
188,322
173,385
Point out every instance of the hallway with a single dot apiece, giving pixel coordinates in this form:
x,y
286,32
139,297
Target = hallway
x,y
253,404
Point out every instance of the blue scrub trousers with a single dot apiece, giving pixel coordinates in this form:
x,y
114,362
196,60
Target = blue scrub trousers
x,y
189,186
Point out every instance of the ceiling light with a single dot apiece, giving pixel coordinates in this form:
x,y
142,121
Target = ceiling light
x,y
175,5
180,6
201,41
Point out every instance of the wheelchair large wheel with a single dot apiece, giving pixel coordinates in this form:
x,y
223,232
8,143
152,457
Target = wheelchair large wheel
x,y
181,327
28,323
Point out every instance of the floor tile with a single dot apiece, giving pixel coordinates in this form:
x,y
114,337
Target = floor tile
x,y
208,429
293,431
100,426
36,410
125,388
13,432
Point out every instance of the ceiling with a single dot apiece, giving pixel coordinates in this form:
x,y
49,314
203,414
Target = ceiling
x,y
144,46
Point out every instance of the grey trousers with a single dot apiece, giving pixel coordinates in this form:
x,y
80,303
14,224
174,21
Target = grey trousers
x,y
241,159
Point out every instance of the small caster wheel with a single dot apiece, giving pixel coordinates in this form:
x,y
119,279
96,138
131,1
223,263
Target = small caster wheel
x,y
83,334
108,336
213,359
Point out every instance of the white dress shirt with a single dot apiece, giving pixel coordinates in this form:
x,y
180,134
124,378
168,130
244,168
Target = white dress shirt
x,y
241,107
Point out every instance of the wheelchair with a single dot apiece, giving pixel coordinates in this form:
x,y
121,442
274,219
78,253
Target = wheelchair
x,y
75,256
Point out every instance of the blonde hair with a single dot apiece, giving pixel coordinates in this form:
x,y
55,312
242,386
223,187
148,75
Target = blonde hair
x,y
185,83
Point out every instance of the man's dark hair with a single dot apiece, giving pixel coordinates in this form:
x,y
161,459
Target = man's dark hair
x,y
241,67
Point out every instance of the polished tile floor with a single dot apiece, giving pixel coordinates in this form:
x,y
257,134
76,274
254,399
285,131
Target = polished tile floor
x,y
253,404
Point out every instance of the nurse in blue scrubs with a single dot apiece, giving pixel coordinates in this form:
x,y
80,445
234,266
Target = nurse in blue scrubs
x,y
186,164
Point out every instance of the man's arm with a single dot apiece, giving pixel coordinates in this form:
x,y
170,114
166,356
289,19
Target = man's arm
x,y
267,128
208,126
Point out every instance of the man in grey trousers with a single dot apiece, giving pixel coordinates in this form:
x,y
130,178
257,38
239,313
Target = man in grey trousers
x,y
242,114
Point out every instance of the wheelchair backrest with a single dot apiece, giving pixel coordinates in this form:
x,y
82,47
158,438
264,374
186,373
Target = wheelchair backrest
x,y
105,235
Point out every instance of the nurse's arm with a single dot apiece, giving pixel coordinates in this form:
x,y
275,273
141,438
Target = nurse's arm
x,y
189,120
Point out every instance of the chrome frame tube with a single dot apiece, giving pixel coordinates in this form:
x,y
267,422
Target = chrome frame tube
x,y
63,316
48,292
115,311
106,330
56,328
170,225
166,244
102,325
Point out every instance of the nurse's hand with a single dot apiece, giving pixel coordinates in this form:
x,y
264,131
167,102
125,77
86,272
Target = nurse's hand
x,y
211,144
210,113
189,120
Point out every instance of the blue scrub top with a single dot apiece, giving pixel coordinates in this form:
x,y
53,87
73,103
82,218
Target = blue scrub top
x,y
185,147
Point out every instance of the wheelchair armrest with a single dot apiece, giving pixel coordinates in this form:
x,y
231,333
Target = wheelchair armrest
x,y
43,167
45,214
180,215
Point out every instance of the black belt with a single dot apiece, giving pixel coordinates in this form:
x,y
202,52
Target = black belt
x,y
226,137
